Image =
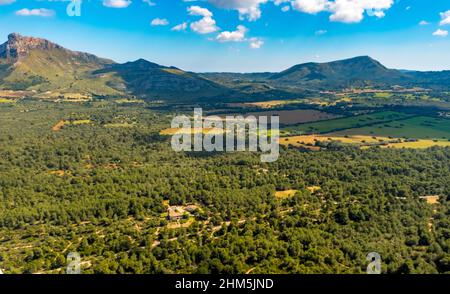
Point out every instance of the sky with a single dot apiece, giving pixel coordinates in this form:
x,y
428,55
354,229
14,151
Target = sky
x,y
241,35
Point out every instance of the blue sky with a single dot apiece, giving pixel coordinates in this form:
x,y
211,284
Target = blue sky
x,y
242,35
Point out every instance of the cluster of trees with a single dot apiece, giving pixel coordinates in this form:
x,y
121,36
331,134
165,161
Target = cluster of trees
x,y
101,191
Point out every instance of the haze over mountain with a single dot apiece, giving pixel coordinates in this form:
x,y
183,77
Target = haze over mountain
x,y
28,63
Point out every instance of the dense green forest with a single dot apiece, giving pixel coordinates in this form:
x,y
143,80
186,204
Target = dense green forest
x,y
101,188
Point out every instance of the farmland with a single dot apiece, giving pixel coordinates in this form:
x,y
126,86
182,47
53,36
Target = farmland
x,y
308,141
292,117
351,122
416,127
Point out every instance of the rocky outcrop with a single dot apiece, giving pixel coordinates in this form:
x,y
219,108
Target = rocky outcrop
x,y
19,46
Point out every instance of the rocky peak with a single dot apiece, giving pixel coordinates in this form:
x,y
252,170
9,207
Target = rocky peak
x,y
19,46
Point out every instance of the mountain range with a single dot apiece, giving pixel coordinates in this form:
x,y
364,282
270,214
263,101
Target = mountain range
x,y
38,65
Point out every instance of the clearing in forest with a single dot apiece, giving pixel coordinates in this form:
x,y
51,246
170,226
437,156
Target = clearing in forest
x,y
285,193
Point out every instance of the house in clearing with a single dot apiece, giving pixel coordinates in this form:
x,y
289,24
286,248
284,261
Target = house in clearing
x,y
191,208
175,213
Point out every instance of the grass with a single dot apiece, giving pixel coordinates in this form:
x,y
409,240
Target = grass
x,y
285,193
173,131
3,100
272,103
384,95
301,141
363,141
347,122
313,189
421,127
432,199
81,122
420,144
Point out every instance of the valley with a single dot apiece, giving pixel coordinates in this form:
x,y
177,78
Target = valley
x,y
86,166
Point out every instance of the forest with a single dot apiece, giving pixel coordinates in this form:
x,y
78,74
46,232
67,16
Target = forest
x,y
101,185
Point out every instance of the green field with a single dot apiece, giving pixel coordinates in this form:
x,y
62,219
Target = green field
x,y
421,127
347,123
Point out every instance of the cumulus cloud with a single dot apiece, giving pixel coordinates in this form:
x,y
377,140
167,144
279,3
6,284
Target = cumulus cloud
x,y
35,12
235,36
159,22
180,27
440,33
423,23
347,11
445,18
117,3
310,6
256,43
249,9
207,24
321,32
200,11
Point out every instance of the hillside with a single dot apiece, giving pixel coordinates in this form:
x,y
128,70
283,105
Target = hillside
x,y
149,80
51,71
29,63
358,71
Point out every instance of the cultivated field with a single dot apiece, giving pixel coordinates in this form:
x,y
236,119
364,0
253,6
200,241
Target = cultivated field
x,y
347,123
292,117
421,127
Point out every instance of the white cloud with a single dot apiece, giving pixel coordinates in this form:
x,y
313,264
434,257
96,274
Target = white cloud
x,y
249,9
321,32
207,24
347,11
117,3
378,13
159,22
180,27
200,11
440,33
445,18
310,6
423,23
236,36
286,8
204,26
35,12
256,43
6,2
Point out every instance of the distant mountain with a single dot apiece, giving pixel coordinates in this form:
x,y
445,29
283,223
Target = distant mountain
x,y
28,63
362,71
153,81
358,71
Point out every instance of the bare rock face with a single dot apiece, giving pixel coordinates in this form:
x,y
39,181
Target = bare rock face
x,y
19,46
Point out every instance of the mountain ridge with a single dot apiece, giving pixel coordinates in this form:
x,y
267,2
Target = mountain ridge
x,y
29,63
